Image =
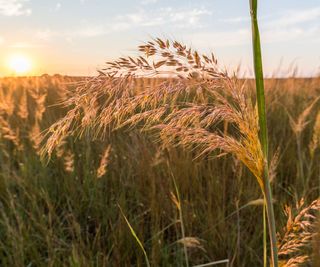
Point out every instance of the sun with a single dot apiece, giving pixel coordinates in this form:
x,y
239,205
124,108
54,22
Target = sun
x,y
20,64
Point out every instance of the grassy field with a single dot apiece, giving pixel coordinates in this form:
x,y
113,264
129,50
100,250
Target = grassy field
x,y
64,211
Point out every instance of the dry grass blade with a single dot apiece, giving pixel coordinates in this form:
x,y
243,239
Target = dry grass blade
x,y
69,161
23,106
273,165
295,244
190,242
102,169
299,125
35,137
315,142
213,263
135,237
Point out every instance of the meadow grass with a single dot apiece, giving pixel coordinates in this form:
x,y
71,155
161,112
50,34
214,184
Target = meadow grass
x,y
64,212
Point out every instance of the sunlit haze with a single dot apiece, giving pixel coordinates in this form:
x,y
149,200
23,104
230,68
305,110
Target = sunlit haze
x,y
76,37
19,64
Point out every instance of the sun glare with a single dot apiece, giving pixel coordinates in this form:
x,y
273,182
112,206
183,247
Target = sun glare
x,y
20,64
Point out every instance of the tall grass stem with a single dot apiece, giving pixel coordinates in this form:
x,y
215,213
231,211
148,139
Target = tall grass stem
x,y
264,236
183,232
257,59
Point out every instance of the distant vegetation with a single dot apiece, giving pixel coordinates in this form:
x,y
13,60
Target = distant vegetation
x,y
156,148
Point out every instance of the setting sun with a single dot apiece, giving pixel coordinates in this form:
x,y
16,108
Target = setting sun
x,y
20,64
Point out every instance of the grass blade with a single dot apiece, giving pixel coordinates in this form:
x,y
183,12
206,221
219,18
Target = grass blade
x,y
185,250
258,70
135,237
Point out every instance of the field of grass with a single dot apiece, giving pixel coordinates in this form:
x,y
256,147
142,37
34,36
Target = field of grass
x,y
66,210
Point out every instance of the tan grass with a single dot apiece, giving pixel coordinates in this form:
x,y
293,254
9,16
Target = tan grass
x,y
23,112
102,169
315,142
205,186
39,96
295,243
7,102
7,133
111,100
35,137
301,122
69,161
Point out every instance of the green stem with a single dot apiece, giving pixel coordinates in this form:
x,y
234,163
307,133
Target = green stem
x,y
263,129
271,219
264,236
301,172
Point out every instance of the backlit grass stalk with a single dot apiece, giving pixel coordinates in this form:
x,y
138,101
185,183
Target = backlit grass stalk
x,y
183,232
136,237
264,235
263,129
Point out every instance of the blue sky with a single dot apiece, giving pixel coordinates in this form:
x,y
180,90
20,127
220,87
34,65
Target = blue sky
x,y
77,36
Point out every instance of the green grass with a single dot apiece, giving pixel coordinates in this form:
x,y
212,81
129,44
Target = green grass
x,y
261,103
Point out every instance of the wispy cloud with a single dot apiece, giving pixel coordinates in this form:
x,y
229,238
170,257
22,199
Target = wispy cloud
x,y
46,34
165,16
295,17
285,19
236,19
220,38
147,2
176,18
269,35
90,31
25,45
305,34
14,8
292,25
58,6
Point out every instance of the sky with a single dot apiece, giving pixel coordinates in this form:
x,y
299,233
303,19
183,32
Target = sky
x,y
76,37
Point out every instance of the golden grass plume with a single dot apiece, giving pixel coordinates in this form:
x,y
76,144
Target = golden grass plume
x,y
186,106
